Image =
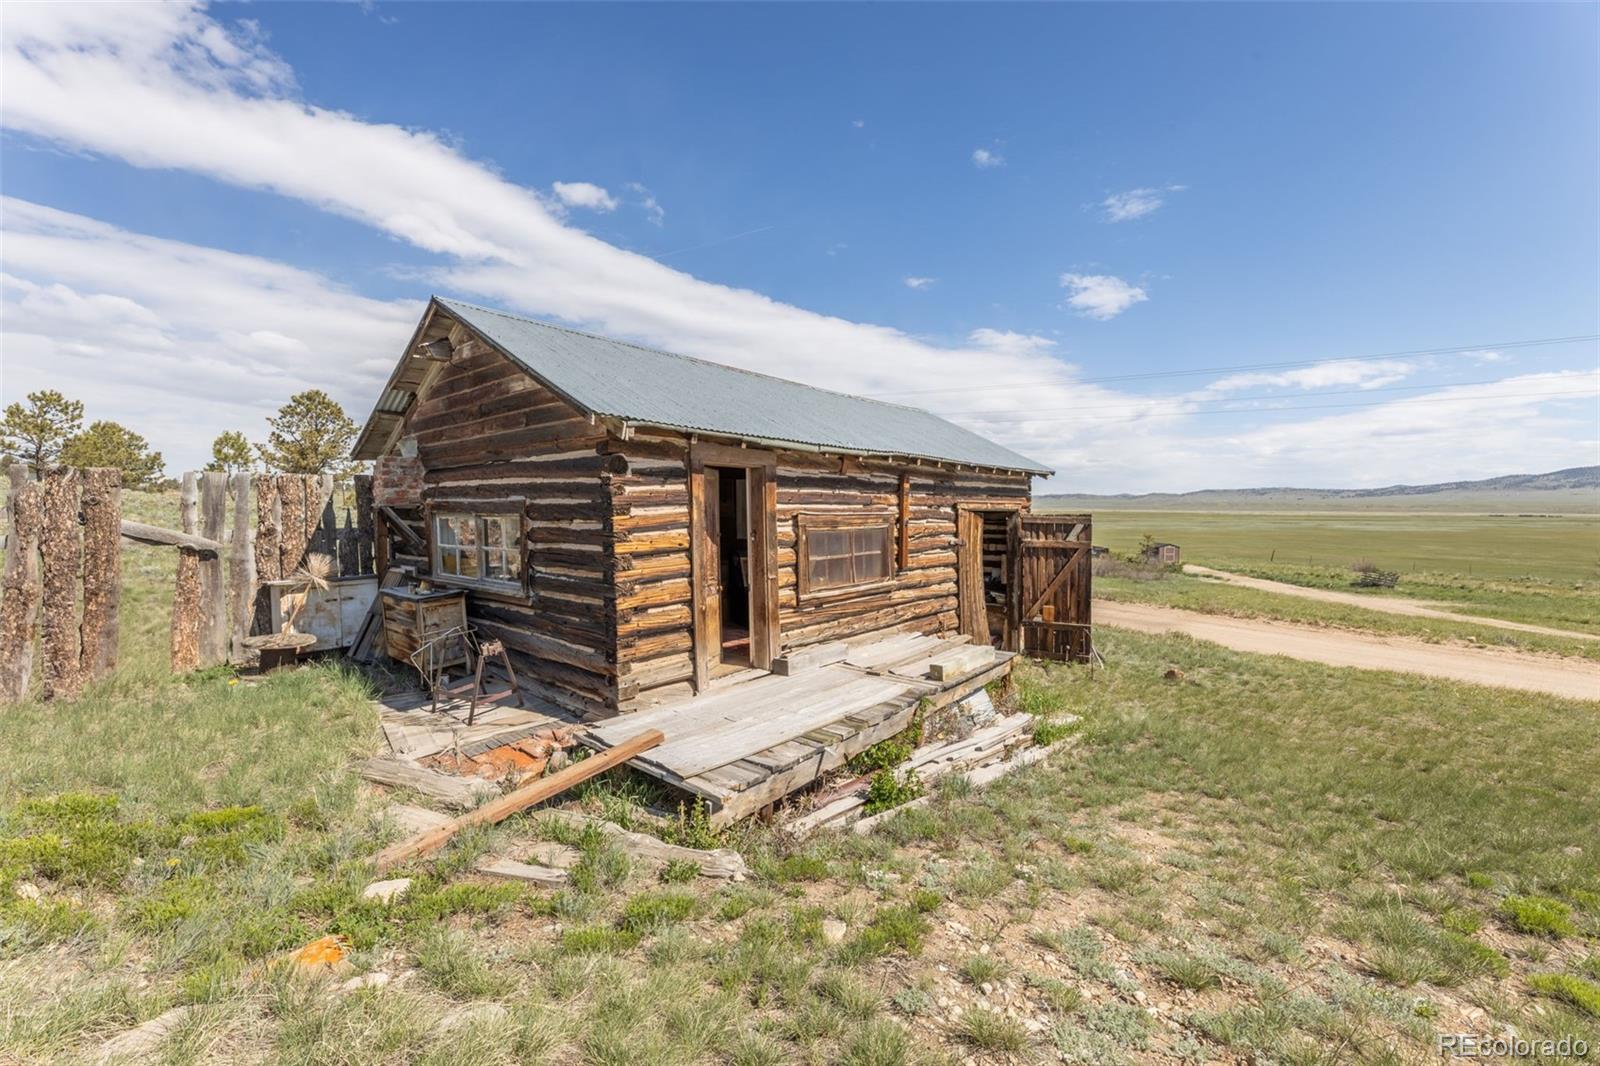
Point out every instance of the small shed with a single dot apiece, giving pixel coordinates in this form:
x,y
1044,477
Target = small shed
x,y
1162,552
634,524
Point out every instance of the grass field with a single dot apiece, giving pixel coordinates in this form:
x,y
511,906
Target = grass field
x,y
1241,859
1554,550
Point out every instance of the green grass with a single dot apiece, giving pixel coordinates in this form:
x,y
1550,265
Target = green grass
x,y
1208,839
1557,550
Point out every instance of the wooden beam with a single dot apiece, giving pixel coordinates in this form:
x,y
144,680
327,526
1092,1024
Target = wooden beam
x,y
61,551
213,579
241,568
148,534
19,609
396,524
102,570
521,799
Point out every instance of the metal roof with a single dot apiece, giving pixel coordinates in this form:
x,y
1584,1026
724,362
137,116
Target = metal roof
x,y
654,388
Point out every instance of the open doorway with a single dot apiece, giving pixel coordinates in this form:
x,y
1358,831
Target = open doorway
x,y
733,567
733,505
984,573
996,574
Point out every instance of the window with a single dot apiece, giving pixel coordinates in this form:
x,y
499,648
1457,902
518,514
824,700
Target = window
x,y
844,551
478,548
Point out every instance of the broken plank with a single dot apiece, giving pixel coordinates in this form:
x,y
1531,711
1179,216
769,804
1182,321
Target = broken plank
x,y
459,792
720,863
816,655
519,800
960,663
511,870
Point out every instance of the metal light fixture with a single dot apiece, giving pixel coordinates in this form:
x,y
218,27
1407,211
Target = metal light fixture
x,y
438,350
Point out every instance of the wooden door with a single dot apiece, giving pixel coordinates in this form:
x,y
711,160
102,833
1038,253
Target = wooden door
x,y
971,615
1050,585
705,562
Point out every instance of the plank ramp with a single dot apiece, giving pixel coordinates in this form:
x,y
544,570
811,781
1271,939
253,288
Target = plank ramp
x,y
752,741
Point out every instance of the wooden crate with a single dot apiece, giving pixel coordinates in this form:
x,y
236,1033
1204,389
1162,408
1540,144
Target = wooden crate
x,y
412,617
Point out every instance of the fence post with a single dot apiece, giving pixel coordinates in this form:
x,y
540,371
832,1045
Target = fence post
x,y
60,551
213,580
241,566
102,570
269,533
20,608
186,593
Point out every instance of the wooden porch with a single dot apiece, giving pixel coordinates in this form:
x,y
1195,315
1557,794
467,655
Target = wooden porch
x,y
756,737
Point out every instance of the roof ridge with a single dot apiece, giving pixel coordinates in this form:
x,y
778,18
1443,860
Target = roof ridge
x,y
689,358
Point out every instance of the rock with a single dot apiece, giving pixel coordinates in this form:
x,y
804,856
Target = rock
x,y
323,953
375,979
1139,995
387,891
1172,674
549,853
833,930
986,988
144,1039
27,890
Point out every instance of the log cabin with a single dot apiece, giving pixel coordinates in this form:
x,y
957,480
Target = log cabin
x,y
633,524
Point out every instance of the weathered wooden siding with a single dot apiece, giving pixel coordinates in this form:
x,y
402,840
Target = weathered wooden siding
x,y
490,436
651,522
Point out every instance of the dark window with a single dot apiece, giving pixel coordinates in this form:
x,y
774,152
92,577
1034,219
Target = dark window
x,y
478,548
839,552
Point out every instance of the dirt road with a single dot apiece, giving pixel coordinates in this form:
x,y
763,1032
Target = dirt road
x,y
1572,678
1385,604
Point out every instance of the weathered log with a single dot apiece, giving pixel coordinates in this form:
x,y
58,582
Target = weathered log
x,y
241,568
213,576
719,863
519,800
459,792
511,870
172,538
20,608
102,570
186,613
61,555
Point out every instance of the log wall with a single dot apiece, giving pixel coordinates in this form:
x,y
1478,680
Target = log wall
x,y
651,526
490,437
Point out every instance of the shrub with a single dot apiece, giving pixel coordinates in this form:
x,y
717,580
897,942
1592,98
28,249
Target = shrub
x,y
1539,915
793,868
692,828
983,969
889,789
992,1031
1047,733
679,871
1368,576
1585,995
891,928
598,940
649,911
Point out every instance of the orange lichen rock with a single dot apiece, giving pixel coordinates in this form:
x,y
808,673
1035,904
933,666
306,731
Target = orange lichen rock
x,y
323,953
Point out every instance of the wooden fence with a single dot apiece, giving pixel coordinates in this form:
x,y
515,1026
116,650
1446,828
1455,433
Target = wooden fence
x,y
62,579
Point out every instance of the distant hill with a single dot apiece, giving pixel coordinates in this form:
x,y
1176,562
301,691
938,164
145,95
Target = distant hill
x,y
1572,491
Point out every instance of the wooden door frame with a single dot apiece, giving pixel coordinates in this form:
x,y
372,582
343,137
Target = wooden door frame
x,y
1008,639
1021,618
761,487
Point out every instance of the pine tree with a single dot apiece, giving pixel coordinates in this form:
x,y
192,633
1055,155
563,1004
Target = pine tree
x,y
230,453
110,444
36,433
311,434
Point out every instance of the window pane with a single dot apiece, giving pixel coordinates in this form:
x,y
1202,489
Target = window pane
x,y
494,564
447,561
444,530
469,564
871,567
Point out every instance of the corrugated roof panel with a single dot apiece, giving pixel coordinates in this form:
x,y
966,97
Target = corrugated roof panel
x,y
658,388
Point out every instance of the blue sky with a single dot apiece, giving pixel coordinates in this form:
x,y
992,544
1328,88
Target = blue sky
x,y
989,210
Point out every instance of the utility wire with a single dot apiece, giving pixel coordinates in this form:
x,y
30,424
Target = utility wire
x,y
1151,374
1570,393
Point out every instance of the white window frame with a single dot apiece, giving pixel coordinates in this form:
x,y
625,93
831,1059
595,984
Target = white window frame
x,y
509,552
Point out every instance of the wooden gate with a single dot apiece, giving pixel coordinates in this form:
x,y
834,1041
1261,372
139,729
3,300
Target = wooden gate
x,y
1049,588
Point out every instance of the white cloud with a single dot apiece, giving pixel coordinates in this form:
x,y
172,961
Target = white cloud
x,y
120,317
584,194
1359,373
647,200
859,123
983,159
1136,203
920,283
1100,296
177,341
996,340
1485,356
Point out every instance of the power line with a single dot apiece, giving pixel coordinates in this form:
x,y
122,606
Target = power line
x,y
1571,393
1154,401
1152,374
